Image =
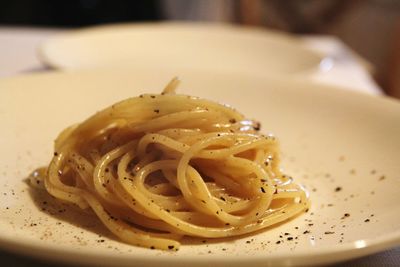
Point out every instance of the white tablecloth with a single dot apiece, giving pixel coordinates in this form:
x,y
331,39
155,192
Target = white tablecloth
x,y
18,56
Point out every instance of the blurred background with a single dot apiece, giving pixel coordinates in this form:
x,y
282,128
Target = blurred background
x,y
371,28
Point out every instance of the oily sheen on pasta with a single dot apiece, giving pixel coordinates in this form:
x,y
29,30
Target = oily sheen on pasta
x,y
155,168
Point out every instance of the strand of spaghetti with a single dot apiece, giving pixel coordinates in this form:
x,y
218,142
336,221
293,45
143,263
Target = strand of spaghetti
x,y
127,232
210,153
170,203
100,170
264,198
165,215
186,119
211,204
223,200
124,192
171,86
212,232
223,180
178,133
84,169
145,105
57,188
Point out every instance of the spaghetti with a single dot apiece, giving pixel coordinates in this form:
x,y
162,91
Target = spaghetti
x,y
156,168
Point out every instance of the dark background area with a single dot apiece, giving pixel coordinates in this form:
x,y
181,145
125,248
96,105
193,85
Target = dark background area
x,y
75,13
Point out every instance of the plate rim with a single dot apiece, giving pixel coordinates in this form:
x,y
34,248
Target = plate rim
x,y
44,57
325,255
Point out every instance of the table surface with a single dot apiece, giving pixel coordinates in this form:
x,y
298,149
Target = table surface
x,y
18,56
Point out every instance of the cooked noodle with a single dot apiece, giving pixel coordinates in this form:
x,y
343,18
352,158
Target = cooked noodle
x,y
158,167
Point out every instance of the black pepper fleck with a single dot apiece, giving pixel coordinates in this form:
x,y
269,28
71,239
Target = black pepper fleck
x,y
257,127
329,233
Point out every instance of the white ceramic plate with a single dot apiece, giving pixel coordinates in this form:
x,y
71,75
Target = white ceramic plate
x,y
178,46
343,146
